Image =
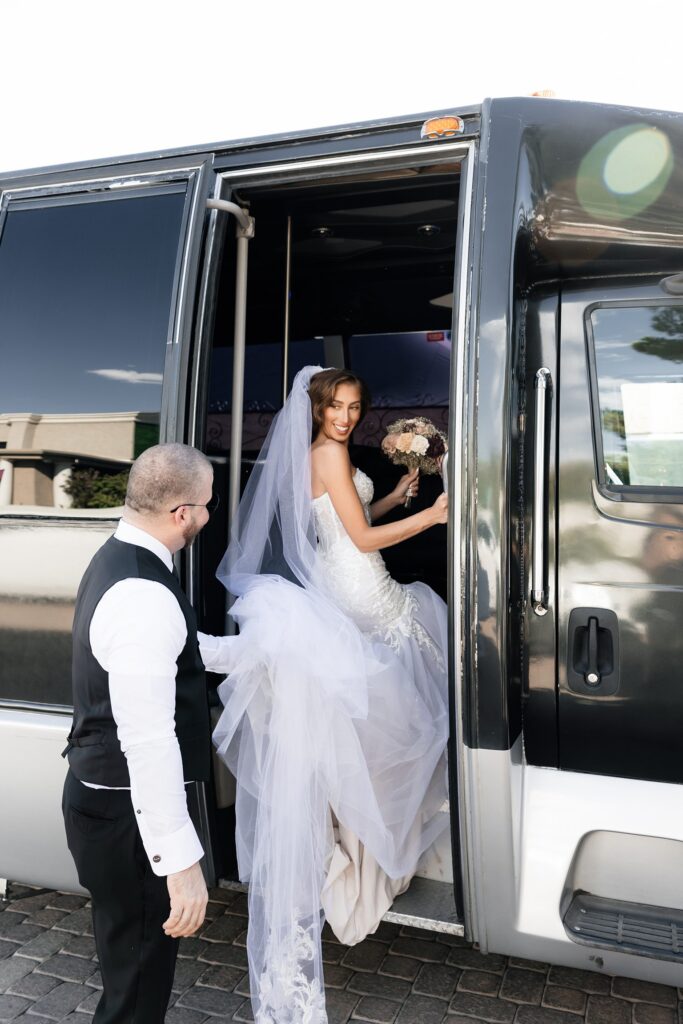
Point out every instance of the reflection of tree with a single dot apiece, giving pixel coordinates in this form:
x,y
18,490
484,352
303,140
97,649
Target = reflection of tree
x,y
669,321
92,488
613,419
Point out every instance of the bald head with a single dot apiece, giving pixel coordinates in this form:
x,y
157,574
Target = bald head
x,y
165,475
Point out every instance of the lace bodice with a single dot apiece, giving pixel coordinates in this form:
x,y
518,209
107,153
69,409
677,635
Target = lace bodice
x,y
358,581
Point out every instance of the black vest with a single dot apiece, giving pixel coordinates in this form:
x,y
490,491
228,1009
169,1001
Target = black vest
x,y
94,751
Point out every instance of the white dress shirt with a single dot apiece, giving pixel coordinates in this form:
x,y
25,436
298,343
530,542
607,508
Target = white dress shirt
x,y
136,634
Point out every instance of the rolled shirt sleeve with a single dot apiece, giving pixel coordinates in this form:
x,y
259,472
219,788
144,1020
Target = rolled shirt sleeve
x,y
136,634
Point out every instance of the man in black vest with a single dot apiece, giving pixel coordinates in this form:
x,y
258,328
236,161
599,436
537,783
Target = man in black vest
x,y
140,732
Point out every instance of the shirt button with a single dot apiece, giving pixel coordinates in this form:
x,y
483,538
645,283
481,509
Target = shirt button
x,y
156,858
138,812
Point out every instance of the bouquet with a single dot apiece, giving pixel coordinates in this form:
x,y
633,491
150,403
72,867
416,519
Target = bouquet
x,y
417,444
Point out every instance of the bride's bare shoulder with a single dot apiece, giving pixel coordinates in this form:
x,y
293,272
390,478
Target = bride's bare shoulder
x,y
330,455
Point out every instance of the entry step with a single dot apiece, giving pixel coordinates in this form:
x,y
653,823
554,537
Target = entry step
x,y
425,904
626,927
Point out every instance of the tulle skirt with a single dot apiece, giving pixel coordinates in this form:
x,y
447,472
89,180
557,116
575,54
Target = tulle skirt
x,y
334,739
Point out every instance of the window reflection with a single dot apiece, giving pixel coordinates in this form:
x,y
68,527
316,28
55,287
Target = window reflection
x,y
85,294
639,361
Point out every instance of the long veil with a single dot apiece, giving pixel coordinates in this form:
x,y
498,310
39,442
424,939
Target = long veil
x,y
300,731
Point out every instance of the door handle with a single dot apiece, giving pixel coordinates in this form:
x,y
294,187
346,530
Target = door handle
x,y
593,651
539,594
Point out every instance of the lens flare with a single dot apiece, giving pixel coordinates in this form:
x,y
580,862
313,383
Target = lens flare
x,y
624,172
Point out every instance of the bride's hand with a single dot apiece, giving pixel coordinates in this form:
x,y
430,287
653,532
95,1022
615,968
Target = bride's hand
x,y
440,509
407,487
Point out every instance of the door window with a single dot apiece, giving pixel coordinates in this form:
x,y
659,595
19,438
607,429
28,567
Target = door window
x,y
638,359
86,293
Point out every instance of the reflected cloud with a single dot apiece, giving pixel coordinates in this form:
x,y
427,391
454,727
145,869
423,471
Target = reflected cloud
x,y
129,376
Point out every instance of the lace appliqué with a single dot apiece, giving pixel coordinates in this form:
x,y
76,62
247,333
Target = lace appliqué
x,y
289,993
359,581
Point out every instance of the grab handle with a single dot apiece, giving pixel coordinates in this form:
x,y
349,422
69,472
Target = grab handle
x,y
539,596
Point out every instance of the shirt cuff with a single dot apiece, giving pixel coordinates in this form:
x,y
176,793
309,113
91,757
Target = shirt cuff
x,y
174,852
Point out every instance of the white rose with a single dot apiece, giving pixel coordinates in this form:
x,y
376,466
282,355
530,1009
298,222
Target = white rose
x,y
420,445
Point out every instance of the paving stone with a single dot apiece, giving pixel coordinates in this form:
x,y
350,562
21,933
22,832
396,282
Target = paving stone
x,y
79,945
12,1006
192,947
242,987
479,981
79,922
239,904
6,949
90,1003
557,998
644,1013
43,946
377,985
13,969
419,949
245,1013
226,978
338,977
333,952
463,956
482,1007
607,1010
10,921
528,965
224,929
327,935
522,986
29,904
222,953
340,1006
540,1015
417,933
67,901
644,991
241,939
67,968
186,973
571,977
400,967
60,1001
46,918
421,1010
436,980
379,1011
178,1015
387,931
95,981
19,933
33,986
366,956
210,1000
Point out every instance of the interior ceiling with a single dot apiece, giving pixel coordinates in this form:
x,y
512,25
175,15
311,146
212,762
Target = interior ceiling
x,y
366,257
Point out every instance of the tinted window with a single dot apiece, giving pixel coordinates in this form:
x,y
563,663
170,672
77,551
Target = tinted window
x,y
86,290
639,369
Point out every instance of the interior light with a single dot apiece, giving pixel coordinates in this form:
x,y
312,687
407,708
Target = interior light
x,y
428,230
446,301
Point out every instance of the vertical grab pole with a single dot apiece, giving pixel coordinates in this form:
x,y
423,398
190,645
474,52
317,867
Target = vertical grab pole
x,y
244,232
288,282
539,596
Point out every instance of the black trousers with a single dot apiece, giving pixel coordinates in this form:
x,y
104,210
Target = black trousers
x,y
129,904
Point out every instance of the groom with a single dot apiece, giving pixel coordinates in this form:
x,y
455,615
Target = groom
x,y
140,732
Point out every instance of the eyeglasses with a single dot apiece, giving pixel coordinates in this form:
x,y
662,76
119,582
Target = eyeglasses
x,y
211,505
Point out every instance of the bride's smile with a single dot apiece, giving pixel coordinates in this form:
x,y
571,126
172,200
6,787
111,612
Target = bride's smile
x,y
343,414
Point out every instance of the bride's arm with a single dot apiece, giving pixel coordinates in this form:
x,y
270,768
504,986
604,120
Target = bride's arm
x,y
333,467
397,497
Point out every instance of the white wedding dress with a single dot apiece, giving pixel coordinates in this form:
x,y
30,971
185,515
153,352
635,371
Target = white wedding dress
x,y
335,727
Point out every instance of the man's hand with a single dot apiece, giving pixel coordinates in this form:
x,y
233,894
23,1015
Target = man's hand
x,y
189,897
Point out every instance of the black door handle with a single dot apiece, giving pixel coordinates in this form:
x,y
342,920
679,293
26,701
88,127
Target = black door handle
x,y
593,651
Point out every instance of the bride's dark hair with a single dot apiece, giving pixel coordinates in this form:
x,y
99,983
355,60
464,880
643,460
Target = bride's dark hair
x,y
321,391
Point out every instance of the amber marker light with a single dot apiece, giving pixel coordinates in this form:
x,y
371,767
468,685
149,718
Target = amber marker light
x,y
442,127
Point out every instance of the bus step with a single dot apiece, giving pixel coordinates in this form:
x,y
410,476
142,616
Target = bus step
x,y
627,927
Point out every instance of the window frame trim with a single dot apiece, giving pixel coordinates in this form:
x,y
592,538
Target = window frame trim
x,y
640,494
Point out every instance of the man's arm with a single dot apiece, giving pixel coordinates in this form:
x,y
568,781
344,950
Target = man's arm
x,y
137,633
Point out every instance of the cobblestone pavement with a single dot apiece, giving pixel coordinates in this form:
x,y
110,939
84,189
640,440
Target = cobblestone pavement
x,y
48,972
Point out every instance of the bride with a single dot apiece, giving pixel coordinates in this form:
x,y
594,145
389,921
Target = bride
x,y
335,717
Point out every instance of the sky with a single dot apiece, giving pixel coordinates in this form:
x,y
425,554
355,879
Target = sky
x,y
82,80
